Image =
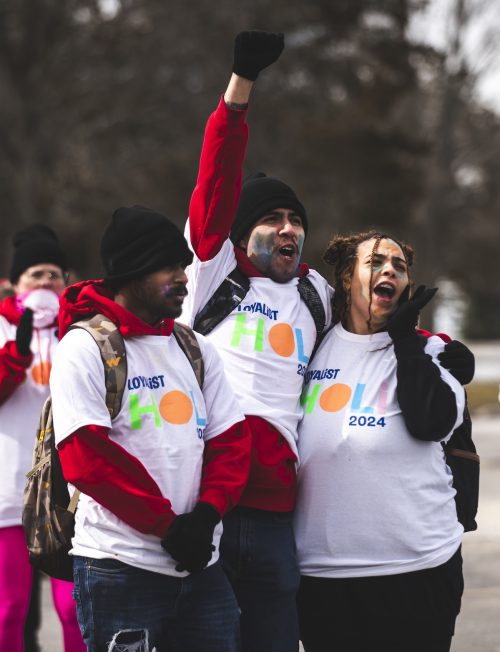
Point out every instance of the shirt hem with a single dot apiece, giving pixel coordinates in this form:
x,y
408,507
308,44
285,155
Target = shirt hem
x,y
391,569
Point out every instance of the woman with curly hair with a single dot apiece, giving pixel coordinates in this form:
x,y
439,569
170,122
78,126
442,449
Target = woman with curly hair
x,y
376,525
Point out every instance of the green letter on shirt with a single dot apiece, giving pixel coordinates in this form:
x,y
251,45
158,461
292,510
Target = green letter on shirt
x,y
309,400
240,329
136,411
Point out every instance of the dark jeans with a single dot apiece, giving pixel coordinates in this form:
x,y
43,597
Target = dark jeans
x,y
119,606
414,612
259,556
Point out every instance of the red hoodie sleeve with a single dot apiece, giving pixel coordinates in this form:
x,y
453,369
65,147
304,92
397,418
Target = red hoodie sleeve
x,y
102,469
226,466
13,368
217,191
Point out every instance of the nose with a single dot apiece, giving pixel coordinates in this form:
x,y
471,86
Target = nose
x,y
287,227
388,269
181,276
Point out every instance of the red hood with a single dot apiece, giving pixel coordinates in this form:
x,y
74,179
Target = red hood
x,y
249,269
9,310
88,298
443,336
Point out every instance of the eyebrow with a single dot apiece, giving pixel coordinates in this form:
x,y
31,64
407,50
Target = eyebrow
x,y
378,256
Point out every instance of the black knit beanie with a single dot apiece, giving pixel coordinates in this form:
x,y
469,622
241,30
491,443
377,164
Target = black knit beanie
x,y
139,241
261,194
34,245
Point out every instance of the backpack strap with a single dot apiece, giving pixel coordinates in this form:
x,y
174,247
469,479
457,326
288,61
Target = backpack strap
x,y
186,339
112,348
233,290
224,300
310,296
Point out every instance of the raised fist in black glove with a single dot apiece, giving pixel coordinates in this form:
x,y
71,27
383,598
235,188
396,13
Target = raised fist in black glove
x,y
459,360
24,332
254,51
189,538
404,321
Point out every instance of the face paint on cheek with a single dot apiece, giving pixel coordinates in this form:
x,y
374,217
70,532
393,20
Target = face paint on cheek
x,y
300,244
261,249
167,290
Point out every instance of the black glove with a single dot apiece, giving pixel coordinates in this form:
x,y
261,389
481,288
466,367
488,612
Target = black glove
x,y
24,332
404,321
254,51
459,360
189,538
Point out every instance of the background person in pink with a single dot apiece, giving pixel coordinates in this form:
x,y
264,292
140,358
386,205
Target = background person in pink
x,y
27,340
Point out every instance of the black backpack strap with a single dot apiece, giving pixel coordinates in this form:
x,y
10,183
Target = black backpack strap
x,y
112,348
310,296
233,290
189,344
224,300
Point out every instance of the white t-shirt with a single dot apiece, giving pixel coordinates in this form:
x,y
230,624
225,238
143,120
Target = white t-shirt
x,y
19,416
373,500
164,421
265,343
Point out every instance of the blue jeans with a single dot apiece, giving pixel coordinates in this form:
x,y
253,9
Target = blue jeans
x,y
258,554
121,607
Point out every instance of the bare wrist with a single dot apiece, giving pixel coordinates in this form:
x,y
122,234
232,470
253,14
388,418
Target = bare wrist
x,y
238,92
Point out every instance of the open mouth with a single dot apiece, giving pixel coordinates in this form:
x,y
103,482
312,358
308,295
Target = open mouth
x,y
288,251
384,291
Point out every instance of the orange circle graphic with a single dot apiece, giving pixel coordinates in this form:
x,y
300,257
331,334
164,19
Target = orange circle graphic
x,y
281,339
176,407
41,373
335,397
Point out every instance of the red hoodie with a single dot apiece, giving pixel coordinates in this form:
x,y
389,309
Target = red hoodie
x,y
272,484
116,479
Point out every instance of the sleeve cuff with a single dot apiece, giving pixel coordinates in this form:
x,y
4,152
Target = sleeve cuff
x,y
230,114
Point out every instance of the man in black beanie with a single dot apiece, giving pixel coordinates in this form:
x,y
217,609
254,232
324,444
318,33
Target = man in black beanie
x,y
265,335
158,476
28,326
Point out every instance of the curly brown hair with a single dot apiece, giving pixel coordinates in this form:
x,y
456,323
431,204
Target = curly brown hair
x,y
341,254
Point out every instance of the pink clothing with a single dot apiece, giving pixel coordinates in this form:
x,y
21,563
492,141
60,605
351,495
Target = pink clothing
x,y
62,595
15,588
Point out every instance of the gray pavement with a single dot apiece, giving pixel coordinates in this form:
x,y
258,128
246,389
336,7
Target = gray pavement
x,y
478,626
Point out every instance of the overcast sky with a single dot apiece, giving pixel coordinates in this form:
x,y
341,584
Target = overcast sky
x,y
481,42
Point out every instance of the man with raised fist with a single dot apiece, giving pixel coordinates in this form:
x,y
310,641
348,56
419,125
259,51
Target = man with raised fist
x,y
263,310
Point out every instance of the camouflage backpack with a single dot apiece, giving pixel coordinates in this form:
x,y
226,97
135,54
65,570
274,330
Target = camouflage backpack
x,y
48,509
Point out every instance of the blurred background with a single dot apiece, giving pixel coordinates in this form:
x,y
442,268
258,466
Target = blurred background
x,y
380,113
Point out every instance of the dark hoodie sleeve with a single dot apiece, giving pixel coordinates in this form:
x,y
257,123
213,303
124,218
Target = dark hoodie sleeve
x,y
13,368
216,194
427,402
114,478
